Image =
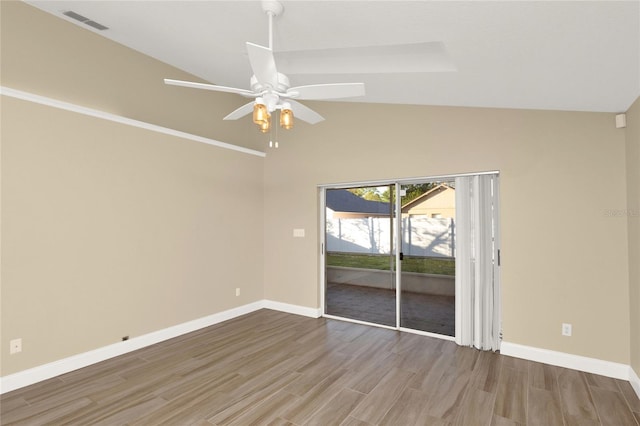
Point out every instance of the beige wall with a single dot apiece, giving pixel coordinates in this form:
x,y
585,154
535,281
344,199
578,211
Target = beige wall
x,y
633,220
109,230
567,267
51,57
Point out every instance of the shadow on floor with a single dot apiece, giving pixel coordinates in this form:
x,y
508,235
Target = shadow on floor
x,y
425,312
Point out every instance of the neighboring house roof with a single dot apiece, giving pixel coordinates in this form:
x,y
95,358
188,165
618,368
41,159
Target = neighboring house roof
x,y
430,193
341,200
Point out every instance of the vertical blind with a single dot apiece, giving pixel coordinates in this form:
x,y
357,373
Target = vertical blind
x,y
477,270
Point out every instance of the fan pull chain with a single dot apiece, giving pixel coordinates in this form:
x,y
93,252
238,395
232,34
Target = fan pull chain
x,y
271,143
279,112
271,137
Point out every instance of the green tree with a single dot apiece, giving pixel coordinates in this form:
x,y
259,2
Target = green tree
x,y
413,191
368,193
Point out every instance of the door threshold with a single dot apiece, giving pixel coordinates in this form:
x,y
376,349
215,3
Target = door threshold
x,y
388,327
355,321
428,334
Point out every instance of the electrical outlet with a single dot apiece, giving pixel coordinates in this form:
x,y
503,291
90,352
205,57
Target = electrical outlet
x,y
566,329
237,291
15,346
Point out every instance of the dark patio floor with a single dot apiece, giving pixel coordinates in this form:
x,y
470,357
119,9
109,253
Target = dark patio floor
x,y
425,312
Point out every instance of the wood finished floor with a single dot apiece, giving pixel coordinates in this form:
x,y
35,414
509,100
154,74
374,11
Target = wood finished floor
x,y
272,368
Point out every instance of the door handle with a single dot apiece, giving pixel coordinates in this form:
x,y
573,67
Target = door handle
x,y
401,256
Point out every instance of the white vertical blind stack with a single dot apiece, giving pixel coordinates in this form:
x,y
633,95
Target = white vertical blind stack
x,y
477,274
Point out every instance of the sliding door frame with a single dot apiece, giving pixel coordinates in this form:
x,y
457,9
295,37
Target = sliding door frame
x,y
398,248
397,183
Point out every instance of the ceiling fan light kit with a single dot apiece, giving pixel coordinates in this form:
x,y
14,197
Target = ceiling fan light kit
x,y
286,117
261,115
265,126
271,89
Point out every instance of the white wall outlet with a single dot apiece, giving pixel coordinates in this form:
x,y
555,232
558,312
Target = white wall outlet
x,y
237,291
298,233
566,329
15,346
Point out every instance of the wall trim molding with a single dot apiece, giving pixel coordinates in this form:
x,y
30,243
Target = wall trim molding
x,y
43,100
293,309
75,362
635,381
562,359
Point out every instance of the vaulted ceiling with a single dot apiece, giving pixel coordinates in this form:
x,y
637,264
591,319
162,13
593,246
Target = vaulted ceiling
x,y
573,55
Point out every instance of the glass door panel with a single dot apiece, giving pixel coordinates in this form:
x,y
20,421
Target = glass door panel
x,y
427,289
359,255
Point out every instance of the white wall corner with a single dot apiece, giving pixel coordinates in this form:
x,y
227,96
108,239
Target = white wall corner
x,y
293,309
635,381
574,362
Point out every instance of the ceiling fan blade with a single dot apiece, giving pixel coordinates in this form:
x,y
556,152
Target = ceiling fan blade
x,y
327,91
263,64
241,112
305,113
397,58
193,85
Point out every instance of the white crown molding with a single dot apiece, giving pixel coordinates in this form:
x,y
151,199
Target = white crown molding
x,y
31,97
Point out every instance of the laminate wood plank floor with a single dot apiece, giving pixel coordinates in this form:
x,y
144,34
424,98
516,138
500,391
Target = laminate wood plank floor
x,y
273,368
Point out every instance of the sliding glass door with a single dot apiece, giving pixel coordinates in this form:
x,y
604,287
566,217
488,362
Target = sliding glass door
x,y
427,226
395,261
359,254
362,232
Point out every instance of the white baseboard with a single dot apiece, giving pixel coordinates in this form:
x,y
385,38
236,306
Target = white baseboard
x,y
293,309
66,365
574,362
75,362
635,381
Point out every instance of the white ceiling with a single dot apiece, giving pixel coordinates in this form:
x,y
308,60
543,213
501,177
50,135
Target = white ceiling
x,y
573,55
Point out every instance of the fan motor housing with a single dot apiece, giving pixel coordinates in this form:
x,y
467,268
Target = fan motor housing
x,y
283,85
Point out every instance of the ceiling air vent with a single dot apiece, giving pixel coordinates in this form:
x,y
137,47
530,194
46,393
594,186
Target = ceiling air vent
x,y
71,14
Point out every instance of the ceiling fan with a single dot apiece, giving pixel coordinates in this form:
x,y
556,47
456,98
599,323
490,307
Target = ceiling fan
x,y
271,89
